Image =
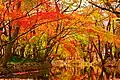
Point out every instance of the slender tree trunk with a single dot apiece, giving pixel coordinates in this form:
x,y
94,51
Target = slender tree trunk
x,y
8,52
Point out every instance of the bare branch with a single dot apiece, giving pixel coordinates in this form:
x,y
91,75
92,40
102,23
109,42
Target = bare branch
x,y
103,8
65,10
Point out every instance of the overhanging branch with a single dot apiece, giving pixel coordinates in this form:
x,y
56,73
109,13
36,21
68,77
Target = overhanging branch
x,y
34,26
103,8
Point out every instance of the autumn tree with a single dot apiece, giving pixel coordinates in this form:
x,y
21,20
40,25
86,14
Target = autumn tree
x,y
44,29
18,19
24,19
110,7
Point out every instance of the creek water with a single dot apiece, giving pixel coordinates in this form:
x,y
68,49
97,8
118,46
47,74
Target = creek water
x,y
68,73
67,70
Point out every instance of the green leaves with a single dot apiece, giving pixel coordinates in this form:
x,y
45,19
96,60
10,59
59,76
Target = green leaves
x,y
82,38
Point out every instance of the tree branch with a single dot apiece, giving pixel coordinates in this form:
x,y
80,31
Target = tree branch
x,y
103,8
33,28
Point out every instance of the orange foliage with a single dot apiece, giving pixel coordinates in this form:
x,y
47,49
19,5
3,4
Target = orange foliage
x,y
70,48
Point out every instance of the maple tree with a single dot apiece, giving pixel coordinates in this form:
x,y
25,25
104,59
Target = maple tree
x,y
44,30
58,31
19,21
16,22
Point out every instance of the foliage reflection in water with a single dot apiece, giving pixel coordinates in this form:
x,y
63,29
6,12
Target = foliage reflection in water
x,y
87,73
69,73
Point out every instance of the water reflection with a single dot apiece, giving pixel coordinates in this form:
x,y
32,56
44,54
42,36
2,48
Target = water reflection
x,y
72,73
86,73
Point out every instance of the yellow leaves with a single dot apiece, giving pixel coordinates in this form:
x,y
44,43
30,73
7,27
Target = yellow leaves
x,y
66,75
4,38
1,7
95,31
105,36
81,20
97,16
98,29
109,37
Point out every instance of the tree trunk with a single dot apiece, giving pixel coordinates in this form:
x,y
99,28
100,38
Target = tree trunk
x,y
8,52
